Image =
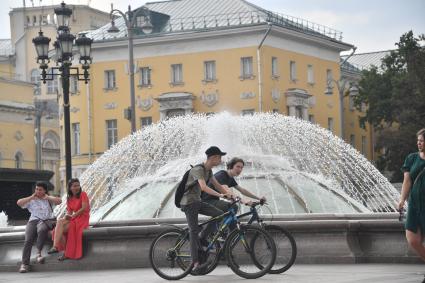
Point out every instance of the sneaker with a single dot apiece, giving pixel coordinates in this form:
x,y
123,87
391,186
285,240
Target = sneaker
x,y
40,259
200,269
24,268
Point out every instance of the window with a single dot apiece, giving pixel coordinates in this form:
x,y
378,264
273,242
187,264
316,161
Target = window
x,y
298,112
145,121
292,70
75,138
248,112
18,160
310,74
110,82
331,124
111,132
73,84
246,68
176,73
275,72
35,77
52,83
275,110
329,77
145,76
311,119
353,140
364,144
209,71
351,102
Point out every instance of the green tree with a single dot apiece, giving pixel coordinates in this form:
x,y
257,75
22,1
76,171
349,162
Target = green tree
x,y
395,99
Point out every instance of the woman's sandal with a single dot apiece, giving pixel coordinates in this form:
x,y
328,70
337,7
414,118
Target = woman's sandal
x,y
62,258
52,250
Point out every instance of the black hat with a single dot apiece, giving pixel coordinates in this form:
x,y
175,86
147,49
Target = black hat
x,y
213,150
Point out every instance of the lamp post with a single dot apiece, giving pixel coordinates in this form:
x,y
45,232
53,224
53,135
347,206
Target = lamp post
x,y
342,86
63,56
39,110
138,18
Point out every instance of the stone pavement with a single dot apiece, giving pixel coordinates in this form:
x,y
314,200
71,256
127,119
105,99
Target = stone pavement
x,y
299,273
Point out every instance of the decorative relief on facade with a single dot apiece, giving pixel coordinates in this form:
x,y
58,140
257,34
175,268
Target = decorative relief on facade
x,y
247,95
209,99
74,109
111,105
275,95
144,104
18,136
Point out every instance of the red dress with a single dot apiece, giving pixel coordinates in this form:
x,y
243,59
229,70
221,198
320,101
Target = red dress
x,y
74,237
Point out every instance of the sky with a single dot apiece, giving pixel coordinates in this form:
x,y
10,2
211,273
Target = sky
x,y
370,25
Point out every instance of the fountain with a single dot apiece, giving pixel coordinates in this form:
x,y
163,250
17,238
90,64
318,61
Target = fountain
x,y
300,167
332,199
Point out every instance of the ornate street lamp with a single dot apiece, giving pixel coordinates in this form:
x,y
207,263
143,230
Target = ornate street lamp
x,y
140,18
63,56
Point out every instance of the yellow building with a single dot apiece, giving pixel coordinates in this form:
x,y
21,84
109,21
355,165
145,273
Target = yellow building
x,y
240,59
18,67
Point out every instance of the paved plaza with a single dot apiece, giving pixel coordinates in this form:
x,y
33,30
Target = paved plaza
x,y
301,273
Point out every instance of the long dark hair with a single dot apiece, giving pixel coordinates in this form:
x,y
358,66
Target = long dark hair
x,y
70,182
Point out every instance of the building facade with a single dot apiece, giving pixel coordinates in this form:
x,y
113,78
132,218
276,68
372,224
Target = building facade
x,y
29,114
237,58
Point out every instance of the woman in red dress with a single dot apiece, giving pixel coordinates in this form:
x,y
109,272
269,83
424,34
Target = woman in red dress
x,y
68,234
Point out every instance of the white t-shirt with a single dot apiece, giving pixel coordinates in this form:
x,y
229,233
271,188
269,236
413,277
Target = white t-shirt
x,y
39,209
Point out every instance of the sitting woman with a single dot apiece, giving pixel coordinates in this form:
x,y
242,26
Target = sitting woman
x,y
68,235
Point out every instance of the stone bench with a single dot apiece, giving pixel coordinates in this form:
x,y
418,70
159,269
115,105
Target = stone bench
x,y
319,240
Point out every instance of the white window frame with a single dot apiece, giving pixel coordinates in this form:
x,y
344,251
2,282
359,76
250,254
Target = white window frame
x,y
177,73
331,124
247,112
247,71
110,79
275,67
76,138
111,132
209,71
73,84
292,70
310,74
52,83
364,145
145,76
145,121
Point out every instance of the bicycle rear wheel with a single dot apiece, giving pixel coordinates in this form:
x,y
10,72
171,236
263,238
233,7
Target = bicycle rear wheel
x,y
286,248
247,246
170,256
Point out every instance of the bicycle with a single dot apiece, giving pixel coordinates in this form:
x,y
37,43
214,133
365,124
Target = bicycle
x,y
170,257
286,247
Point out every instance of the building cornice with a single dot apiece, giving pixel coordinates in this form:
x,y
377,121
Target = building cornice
x,y
17,82
204,34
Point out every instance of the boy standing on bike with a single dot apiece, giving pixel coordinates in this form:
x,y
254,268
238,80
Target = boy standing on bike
x,y
192,205
227,179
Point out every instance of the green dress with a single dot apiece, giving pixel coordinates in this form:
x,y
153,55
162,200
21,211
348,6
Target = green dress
x,y
416,211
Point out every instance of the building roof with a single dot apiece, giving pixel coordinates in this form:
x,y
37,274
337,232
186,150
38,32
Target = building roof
x,y
6,48
191,15
367,60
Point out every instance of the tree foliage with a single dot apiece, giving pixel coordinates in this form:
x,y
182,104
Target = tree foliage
x,y
395,96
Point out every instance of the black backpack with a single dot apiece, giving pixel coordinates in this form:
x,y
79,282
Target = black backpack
x,y
181,187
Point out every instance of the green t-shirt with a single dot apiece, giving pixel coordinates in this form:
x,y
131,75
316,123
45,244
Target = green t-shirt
x,y
193,190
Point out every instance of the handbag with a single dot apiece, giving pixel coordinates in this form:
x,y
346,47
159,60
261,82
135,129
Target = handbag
x,y
50,222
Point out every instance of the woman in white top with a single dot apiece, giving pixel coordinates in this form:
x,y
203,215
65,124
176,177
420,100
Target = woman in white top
x,y
39,205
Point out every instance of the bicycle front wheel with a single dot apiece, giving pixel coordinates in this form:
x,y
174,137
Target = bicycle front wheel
x,y
170,256
247,246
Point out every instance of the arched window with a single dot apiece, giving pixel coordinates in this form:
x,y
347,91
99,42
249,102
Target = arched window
x,y
18,160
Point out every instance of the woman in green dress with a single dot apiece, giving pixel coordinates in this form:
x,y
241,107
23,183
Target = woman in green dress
x,y
414,188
